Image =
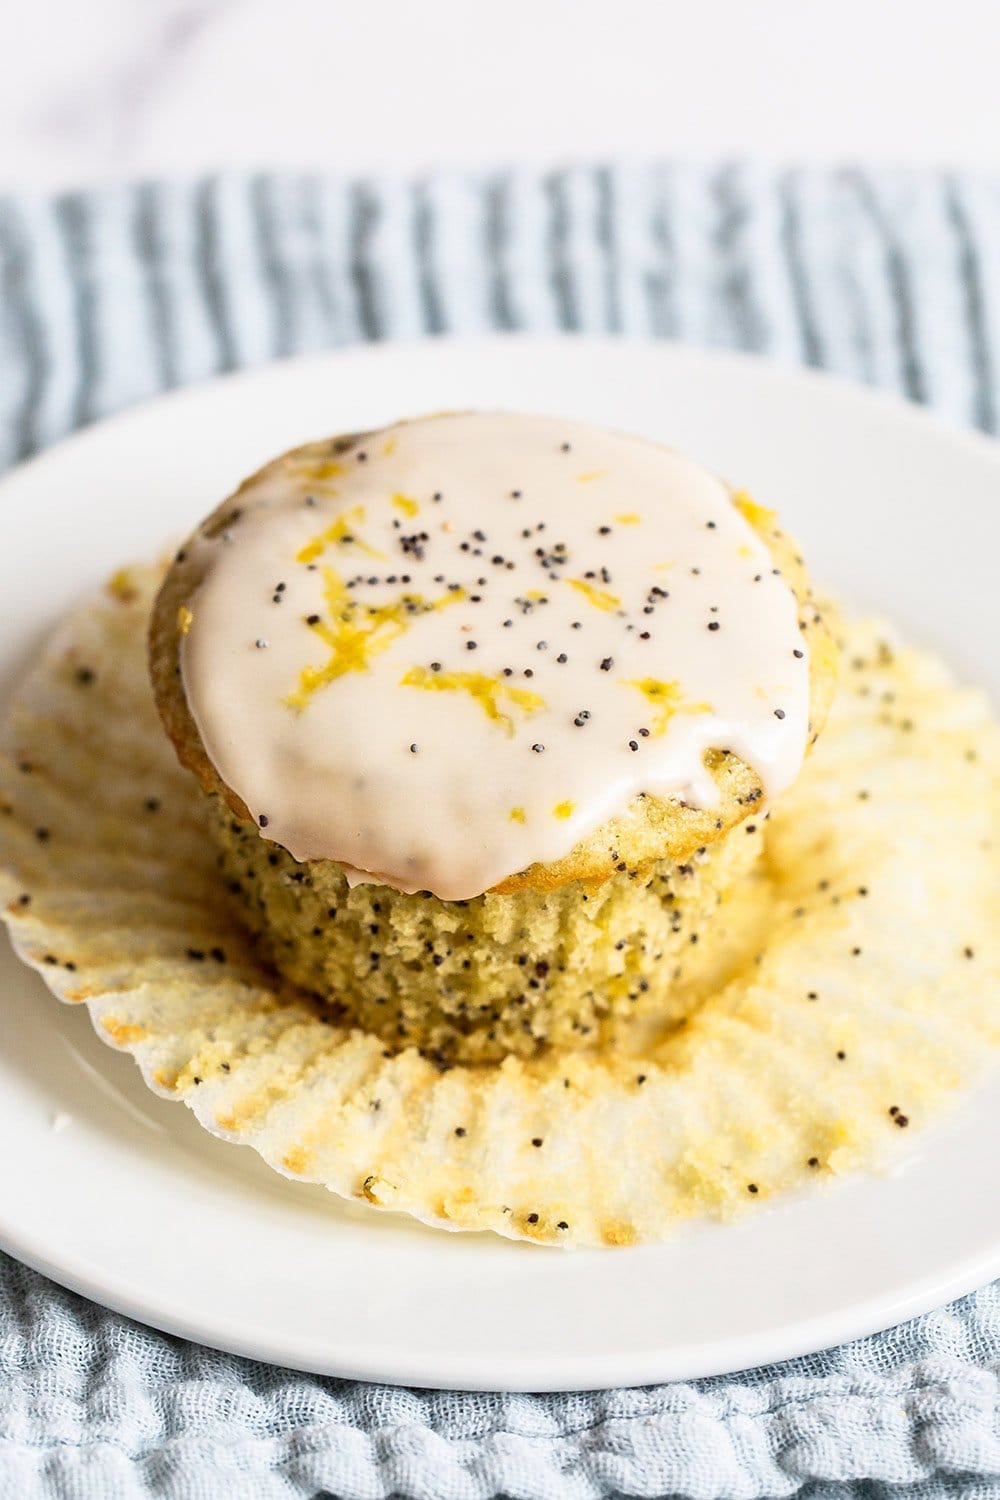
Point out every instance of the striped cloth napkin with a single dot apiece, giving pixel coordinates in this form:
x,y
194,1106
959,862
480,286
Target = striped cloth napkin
x,y
107,298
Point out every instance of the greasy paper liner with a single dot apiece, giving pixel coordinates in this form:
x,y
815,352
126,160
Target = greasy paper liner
x,y
858,980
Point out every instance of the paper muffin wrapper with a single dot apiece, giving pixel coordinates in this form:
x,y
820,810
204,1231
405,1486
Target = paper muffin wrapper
x,y
856,984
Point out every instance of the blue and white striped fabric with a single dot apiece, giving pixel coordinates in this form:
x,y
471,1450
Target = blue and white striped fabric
x,y
109,297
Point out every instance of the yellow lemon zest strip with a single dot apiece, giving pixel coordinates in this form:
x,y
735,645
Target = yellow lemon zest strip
x,y
665,699
564,809
487,691
593,474
324,469
184,619
352,644
517,815
340,530
599,598
628,519
408,506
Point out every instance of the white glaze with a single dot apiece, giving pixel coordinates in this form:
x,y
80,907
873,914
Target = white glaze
x,y
331,769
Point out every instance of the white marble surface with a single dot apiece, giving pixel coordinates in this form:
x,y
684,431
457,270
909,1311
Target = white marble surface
x,y
94,90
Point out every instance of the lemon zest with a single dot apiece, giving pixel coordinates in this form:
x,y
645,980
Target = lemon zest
x,y
487,691
599,598
342,531
666,700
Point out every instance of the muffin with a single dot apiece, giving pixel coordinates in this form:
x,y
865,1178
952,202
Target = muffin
x,y
490,710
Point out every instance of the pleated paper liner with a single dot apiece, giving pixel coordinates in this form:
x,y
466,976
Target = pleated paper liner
x,y
858,977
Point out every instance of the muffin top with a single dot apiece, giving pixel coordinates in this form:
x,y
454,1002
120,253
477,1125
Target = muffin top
x,y
452,650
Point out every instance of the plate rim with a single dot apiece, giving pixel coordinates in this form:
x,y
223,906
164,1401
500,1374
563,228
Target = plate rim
x,y
548,1371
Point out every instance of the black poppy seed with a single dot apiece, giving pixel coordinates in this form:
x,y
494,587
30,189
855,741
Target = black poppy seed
x,y
529,672
752,1187
152,804
644,734
42,835
644,635
361,456
460,1131
779,713
855,952
279,588
312,619
85,676
414,749
532,1218
261,643
471,645
710,525
263,820
437,495
538,749
633,744
713,624
562,657
607,664
541,645
797,653
515,494
813,1161
812,995
536,1140
604,530
841,1056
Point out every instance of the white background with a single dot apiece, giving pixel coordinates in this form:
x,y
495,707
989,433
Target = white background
x,y
105,89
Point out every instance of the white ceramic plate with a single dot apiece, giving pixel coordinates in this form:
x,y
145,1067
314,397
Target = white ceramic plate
x,y
121,1196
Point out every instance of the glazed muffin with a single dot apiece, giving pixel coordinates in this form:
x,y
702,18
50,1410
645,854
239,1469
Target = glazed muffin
x,y
489,710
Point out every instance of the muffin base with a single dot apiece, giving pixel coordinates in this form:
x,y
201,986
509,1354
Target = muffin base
x,y
478,980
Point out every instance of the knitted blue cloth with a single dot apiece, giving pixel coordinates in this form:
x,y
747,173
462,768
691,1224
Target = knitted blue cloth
x,y
107,298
